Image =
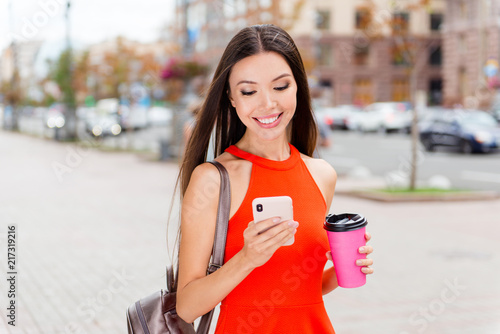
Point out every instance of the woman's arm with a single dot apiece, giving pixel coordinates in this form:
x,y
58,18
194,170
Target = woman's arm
x,y
197,293
326,178
329,280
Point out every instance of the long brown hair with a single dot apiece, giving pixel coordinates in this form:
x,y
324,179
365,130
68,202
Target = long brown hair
x,y
217,110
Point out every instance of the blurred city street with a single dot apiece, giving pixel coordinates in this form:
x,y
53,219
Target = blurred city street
x,y
91,239
95,112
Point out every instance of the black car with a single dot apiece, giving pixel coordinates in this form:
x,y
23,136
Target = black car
x,y
470,131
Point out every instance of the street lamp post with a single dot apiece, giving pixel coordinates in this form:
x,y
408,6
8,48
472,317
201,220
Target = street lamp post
x,y
69,94
14,93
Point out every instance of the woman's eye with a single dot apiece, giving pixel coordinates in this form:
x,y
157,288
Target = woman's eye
x,y
282,87
247,93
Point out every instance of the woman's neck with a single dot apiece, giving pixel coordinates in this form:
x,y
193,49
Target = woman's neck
x,y
277,150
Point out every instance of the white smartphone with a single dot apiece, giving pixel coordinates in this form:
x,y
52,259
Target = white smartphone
x,y
277,206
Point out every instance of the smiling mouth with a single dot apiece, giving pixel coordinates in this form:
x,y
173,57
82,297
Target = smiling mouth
x,y
268,120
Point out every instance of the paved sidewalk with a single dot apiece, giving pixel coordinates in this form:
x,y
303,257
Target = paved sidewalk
x,y
91,226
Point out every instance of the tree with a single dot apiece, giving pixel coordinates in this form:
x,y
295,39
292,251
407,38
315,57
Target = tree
x,y
62,73
12,93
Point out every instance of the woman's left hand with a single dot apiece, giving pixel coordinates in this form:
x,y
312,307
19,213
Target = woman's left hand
x,y
364,263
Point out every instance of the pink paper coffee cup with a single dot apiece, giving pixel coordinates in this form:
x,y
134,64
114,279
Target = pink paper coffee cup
x,y
346,233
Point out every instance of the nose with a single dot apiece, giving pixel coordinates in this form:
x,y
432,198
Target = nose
x,y
268,101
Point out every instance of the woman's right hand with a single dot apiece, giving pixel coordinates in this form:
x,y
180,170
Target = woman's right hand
x,y
260,246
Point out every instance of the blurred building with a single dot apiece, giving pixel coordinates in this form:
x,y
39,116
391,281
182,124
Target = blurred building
x,y
471,51
367,51
204,27
21,55
357,51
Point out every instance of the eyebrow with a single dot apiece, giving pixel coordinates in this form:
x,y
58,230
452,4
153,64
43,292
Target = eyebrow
x,y
254,83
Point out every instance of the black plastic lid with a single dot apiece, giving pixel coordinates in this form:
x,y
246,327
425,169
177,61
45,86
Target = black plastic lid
x,y
344,222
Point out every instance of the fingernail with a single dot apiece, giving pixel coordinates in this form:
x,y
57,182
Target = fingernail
x,y
293,224
359,262
361,249
276,220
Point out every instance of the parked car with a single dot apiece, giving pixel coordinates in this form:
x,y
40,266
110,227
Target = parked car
x,y
159,116
54,116
495,112
428,115
104,120
386,117
133,117
495,107
353,118
336,117
468,130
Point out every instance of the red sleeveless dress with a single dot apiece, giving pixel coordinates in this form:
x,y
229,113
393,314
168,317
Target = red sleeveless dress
x,y
284,295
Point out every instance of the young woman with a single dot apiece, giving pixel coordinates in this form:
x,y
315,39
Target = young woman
x,y
265,136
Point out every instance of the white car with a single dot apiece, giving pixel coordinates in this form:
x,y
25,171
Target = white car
x,y
336,117
103,120
54,116
134,117
385,117
159,116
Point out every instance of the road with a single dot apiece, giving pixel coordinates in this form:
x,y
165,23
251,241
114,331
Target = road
x,y
381,154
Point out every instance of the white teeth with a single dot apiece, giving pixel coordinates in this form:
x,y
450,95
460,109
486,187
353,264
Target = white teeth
x,y
267,120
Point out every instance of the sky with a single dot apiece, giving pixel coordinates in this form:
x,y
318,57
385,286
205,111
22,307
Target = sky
x,y
92,21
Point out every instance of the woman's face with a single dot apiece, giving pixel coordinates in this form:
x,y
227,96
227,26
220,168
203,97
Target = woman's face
x,y
264,93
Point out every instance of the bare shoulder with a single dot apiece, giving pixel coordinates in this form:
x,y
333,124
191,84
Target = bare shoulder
x,y
204,175
202,193
320,168
232,163
240,171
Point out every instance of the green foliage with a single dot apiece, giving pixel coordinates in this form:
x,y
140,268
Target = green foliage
x,y
61,72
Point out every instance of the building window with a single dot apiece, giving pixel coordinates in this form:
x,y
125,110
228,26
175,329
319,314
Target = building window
x,y
323,19
325,83
361,55
325,55
400,90
436,22
363,91
363,18
435,57
463,9
462,83
400,22
400,56
462,44
435,92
